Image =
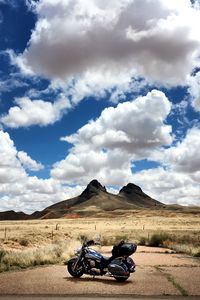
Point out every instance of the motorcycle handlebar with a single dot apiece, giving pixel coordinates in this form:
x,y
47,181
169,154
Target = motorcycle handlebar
x,y
91,242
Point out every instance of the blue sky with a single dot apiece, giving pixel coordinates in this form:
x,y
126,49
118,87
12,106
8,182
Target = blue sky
x,y
90,89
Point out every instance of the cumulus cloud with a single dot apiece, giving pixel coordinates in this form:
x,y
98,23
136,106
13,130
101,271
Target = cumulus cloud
x,y
194,90
133,130
112,167
34,112
134,126
185,156
28,162
168,186
179,181
73,37
18,190
10,167
101,83
107,147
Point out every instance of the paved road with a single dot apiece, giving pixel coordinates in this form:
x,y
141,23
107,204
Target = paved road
x,y
98,298
157,274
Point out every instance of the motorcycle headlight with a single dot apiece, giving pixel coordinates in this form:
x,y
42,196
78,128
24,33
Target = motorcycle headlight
x,y
78,251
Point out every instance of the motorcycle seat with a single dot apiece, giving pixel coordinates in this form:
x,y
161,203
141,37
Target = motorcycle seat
x,y
105,258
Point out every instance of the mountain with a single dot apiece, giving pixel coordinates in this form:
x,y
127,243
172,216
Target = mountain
x,y
12,215
134,194
94,199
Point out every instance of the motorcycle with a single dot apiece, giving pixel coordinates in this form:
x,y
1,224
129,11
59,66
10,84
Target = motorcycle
x,y
89,261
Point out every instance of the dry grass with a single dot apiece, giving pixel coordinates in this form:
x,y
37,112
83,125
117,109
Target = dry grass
x,y
53,253
37,242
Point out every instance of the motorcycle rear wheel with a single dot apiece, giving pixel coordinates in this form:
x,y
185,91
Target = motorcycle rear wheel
x,y
121,279
76,273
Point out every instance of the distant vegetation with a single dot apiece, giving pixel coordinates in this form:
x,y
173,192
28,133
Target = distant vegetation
x,y
182,243
38,242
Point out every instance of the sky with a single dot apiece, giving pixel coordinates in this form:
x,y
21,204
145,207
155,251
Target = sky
x,y
97,89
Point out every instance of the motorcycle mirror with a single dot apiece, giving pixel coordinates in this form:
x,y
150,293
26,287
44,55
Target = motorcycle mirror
x,y
89,243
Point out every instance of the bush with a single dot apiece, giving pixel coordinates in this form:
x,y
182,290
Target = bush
x,y
158,239
24,242
2,254
143,241
197,254
83,238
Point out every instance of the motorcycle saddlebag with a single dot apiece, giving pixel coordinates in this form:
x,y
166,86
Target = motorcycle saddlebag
x,y
118,268
123,249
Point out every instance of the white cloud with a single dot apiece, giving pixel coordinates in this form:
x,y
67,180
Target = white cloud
x,y
35,112
28,162
10,167
134,126
72,38
98,83
104,148
185,156
112,167
8,84
194,90
169,186
179,182
18,190
107,148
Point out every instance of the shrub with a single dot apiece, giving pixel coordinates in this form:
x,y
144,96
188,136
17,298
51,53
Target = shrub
x,y
112,240
119,238
143,241
83,238
24,242
106,241
197,254
2,254
158,239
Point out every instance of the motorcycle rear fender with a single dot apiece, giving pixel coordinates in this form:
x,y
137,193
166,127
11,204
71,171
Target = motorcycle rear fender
x,y
130,264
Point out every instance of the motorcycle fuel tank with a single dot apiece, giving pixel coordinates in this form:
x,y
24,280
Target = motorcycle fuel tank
x,y
92,254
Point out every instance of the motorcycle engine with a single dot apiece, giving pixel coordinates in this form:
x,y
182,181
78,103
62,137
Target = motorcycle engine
x,y
94,270
92,263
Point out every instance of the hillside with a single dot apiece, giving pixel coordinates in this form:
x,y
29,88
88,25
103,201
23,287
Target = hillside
x,y
94,199
12,215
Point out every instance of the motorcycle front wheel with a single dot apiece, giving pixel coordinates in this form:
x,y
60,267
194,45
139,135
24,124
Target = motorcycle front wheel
x,y
73,269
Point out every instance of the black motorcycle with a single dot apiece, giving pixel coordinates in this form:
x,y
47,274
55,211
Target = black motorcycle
x,y
89,261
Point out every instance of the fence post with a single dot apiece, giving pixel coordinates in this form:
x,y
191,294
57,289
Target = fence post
x,y
5,234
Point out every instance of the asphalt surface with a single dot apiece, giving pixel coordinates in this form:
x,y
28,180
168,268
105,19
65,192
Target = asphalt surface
x,y
158,274
97,298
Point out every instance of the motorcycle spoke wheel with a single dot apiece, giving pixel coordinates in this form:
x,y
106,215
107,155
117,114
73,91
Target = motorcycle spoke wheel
x,y
78,272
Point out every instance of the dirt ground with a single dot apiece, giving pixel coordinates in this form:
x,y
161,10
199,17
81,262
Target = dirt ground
x,y
158,272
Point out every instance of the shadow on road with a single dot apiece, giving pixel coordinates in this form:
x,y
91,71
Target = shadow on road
x,y
95,279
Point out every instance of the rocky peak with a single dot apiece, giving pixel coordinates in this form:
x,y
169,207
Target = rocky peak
x,y
131,188
93,188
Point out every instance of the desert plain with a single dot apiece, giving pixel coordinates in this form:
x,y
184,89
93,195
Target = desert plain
x,y
167,257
